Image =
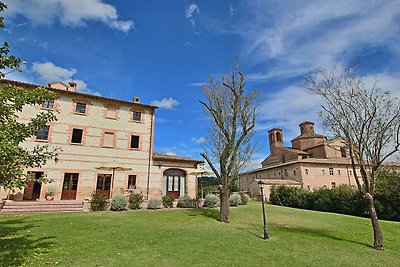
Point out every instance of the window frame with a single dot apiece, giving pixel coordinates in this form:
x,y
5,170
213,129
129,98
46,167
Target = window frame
x,y
112,142
47,106
46,128
134,118
331,171
132,177
138,142
76,108
72,136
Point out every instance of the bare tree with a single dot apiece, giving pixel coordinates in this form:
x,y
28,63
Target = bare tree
x,y
367,119
232,113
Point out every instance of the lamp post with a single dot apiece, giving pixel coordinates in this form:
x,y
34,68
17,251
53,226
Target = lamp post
x,y
261,185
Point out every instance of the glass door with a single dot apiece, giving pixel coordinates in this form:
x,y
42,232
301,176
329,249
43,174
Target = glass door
x,y
70,186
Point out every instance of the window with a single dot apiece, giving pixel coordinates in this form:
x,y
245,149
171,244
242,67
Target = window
x,y
333,184
48,104
294,172
343,152
108,140
350,172
338,172
131,181
330,171
306,171
274,174
104,183
286,173
43,134
111,113
134,141
269,176
77,136
80,108
323,172
137,116
308,187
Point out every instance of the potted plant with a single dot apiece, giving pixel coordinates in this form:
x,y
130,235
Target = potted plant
x,y
49,195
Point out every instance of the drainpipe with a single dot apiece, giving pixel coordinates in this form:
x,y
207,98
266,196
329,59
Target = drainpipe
x,y
150,154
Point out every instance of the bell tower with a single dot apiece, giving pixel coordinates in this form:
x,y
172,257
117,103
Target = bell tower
x,y
275,140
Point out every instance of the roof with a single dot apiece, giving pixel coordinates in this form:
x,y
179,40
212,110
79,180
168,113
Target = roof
x,y
298,151
161,156
32,86
278,181
308,135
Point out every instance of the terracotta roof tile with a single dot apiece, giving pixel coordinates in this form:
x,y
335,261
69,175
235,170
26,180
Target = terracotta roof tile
x,y
161,156
32,86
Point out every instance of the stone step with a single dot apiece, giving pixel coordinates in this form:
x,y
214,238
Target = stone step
x,y
23,211
21,207
8,207
44,203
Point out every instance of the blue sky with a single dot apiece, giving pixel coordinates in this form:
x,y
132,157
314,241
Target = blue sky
x,y
162,51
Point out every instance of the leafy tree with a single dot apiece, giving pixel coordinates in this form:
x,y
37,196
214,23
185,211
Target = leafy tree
x,y
232,113
14,158
367,119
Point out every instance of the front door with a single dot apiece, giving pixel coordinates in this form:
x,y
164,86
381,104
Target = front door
x,y
173,185
104,184
32,190
70,186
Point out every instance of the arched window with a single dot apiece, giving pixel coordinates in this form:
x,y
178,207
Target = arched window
x,y
278,137
174,182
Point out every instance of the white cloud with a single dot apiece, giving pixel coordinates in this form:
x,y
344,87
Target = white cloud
x,y
48,72
293,39
191,11
286,109
199,141
165,103
71,13
197,84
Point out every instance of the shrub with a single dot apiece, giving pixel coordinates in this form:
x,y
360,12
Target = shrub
x,y
119,203
186,202
153,204
235,200
244,199
168,201
135,201
99,201
211,201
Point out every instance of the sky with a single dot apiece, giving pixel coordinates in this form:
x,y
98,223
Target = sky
x,y
163,51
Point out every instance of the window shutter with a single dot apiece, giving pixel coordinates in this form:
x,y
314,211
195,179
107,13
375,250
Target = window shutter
x,y
164,185
182,191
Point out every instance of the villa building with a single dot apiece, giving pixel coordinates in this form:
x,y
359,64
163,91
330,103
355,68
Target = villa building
x,y
311,162
93,132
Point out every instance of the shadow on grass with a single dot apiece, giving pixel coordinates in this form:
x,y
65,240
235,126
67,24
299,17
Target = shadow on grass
x,y
317,233
16,246
209,213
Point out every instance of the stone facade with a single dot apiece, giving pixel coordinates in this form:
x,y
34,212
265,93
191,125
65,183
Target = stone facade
x,y
311,162
94,131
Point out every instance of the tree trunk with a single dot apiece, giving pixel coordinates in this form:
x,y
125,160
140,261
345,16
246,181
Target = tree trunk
x,y
378,236
224,209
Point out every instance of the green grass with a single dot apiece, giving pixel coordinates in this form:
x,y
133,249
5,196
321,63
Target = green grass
x,y
194,238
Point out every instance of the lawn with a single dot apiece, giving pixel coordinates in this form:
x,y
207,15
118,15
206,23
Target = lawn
x,y
193,237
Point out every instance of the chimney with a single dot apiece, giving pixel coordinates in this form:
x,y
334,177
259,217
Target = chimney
x,y
136,99
275,140
306,127
71,87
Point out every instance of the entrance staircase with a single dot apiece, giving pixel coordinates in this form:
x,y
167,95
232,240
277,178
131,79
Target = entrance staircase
x,y
23,207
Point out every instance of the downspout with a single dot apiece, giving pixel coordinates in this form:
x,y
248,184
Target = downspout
x,y
150,153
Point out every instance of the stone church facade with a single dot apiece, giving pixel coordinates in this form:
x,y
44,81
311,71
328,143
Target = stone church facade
x,y
311,162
